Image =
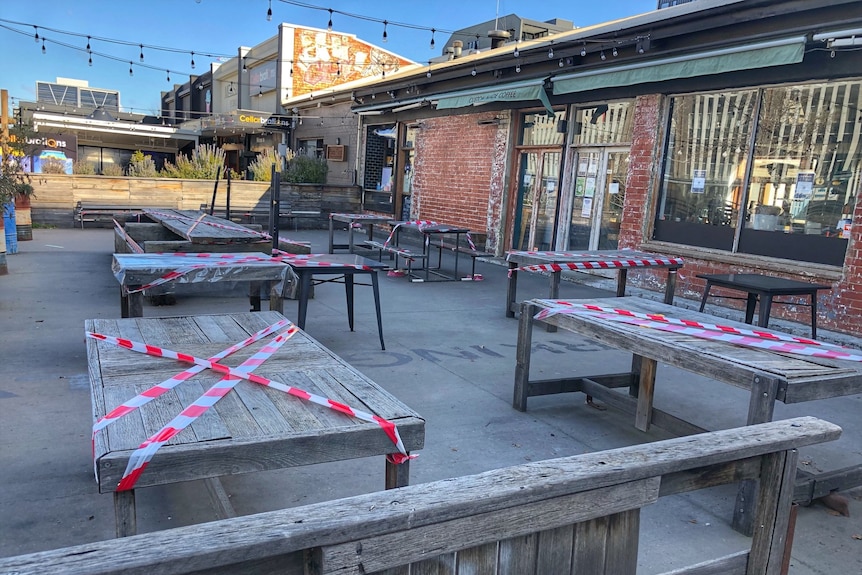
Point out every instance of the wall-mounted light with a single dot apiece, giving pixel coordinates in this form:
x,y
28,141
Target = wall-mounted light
x,y
489,122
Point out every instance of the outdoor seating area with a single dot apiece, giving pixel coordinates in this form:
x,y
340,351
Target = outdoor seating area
x,y
270,460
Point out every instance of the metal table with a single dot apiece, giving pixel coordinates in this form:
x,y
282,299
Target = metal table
x,y
764,288
428,230
343,265
252,428
366,220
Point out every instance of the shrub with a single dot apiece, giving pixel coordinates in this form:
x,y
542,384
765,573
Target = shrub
x,y
113,170
305,170
204,163
53,166
261,167
83,168
141,166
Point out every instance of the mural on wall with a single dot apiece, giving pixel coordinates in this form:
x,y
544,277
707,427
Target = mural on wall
x,y
322,60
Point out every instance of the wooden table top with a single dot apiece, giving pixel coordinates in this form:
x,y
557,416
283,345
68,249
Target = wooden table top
x,y
801,378
584,256
141,269
252,428
204,230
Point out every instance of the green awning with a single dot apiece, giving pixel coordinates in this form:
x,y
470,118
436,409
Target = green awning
x,y
514,92
763,55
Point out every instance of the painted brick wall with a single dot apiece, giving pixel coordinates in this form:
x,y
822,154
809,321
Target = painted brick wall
x,y
460,172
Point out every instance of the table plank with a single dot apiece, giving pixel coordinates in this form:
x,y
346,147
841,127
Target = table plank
x,y
209,230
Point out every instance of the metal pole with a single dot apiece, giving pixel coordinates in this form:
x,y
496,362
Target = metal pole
x,y
275,202
215,190
227,196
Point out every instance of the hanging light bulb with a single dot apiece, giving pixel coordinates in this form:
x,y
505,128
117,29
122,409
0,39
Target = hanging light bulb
x,y
291,68
615,53
338,70
518,69
561,63
584,50
473,72
193,60
269,12
168,72
516,53
329,24
131,72
385,35
88,43
244,66
90,59
551,52
432,37
36,36
428,73
603,57
43,45
142,52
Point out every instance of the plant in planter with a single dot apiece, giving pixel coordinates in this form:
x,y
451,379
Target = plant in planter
x,y
15,191
305,170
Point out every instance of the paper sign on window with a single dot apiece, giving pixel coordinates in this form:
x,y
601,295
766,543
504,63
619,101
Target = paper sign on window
x,y
587,208
698,182
804,185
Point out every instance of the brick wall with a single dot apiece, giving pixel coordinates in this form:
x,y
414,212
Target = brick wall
x,y
460,172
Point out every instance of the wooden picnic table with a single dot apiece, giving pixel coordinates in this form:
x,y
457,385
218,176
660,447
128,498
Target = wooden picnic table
x,y
252,428
768,375
202,228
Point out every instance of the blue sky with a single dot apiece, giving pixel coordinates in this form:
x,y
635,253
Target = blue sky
x,y
220,26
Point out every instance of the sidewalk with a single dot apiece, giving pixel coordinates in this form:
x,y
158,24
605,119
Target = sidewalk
x,y
449,355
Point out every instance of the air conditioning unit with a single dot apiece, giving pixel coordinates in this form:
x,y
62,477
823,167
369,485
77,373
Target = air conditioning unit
x,y
336,153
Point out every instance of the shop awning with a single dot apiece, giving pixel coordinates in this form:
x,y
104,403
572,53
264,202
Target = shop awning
x,y
746,57
513,92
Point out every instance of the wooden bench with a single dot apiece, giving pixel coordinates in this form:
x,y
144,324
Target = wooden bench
x,y
86,211
576,514
251,213
394,251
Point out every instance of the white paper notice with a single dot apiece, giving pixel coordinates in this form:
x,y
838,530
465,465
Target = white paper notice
x,y
587,208
614,188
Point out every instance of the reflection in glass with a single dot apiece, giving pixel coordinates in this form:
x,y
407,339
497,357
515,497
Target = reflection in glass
x,y
539,129
604,124
613,200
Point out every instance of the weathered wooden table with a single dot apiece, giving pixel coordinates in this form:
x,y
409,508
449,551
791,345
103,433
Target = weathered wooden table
x,y
135,271
769,376
252,428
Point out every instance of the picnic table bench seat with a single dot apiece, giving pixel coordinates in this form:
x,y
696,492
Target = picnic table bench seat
x,y
407,255
466,250
88,211
260,210
577,514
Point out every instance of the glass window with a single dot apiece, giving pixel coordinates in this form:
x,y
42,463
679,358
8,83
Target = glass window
x,y
310,148
540,129
800,192
378,178
604,124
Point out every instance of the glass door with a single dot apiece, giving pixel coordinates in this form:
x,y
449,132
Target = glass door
x,y
538,190
598,198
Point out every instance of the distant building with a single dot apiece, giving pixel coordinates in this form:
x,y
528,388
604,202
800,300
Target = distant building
x,y
511,28
669,3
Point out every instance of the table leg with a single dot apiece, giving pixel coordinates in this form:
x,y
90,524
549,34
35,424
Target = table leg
x,y
276,300
332,235
646,391
348,291
554,294
670,286
397,475
705,295
376,288
765,310
350,237
622,277
761,408
750,304
304,289
522,356
124,513
135,302
813,296
511,290
124,303
254,295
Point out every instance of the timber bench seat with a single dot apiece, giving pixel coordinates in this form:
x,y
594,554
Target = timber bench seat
x,y
578,514
86,211
407,255
260,211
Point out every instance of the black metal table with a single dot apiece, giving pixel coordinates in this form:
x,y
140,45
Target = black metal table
x,y
427,229
365,220
764,288
343,265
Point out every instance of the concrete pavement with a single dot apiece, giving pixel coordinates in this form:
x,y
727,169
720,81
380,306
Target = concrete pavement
x,y
449,355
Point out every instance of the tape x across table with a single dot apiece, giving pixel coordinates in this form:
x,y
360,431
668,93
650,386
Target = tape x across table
x,y
140,458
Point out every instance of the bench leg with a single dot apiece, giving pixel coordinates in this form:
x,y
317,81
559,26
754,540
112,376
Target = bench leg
x,y
622,277
813,296
254,295
670,286
554,294
276,300
646,390
522,356
511,290
397,475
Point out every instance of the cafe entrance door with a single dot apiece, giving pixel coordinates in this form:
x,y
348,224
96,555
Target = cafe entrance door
x,y
597,199
538,190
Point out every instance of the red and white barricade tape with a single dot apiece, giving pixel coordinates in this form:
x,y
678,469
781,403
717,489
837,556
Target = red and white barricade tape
x,y
600,265
550,254
388,427
750,338
133,245
144,453
213,224
160,388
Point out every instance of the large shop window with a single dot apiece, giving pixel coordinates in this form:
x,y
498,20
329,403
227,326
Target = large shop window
x,y
379,175
771,172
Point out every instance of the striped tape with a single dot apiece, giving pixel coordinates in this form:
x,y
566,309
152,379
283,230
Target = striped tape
x,y
600,264
768,340
388,427
139,459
